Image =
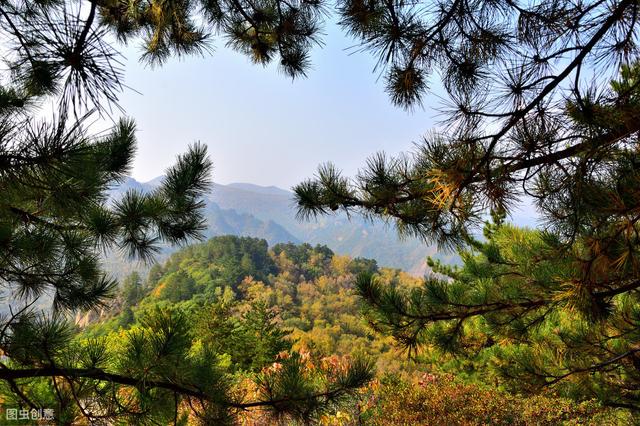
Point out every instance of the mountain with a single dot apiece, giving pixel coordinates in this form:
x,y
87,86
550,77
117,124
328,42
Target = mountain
x,y
269,212
251,306
129,183
273,190
230,222
354,236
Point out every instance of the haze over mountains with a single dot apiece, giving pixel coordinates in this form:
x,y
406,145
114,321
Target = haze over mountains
x,y
245,209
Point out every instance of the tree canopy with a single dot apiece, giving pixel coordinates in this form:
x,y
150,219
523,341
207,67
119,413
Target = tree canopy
x,y
305,308
515,311
543,108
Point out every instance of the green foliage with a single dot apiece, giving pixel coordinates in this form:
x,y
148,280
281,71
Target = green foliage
x,y
175,361
309,298
313,261
552,308
132,290
515,313
537,309
295,319
54,213
440,193
557,308
519,46
176,287
55,219
251,339
223,261
189,348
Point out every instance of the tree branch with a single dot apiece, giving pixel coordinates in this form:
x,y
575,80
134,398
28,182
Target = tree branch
x,y
615,16
98,374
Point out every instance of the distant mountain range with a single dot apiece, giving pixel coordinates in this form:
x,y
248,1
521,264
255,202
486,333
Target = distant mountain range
x,y
268,212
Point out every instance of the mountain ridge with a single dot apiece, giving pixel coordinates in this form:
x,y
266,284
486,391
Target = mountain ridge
x,y
247,209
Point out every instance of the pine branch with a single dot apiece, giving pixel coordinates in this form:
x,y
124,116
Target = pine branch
x,y
18,35
85,31
595,367
613,18
101,375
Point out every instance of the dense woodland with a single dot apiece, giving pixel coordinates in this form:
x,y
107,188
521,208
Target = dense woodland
x,y
249,306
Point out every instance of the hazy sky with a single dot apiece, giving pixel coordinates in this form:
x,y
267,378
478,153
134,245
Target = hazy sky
x,y
259,125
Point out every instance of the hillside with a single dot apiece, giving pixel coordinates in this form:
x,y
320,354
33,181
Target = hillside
x,y
268,212
309,287
251,305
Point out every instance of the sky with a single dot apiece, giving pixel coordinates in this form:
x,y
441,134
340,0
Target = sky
x,y
260,126
263,128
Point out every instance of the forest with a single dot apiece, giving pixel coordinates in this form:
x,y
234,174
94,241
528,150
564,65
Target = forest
x,y
250,309
537,105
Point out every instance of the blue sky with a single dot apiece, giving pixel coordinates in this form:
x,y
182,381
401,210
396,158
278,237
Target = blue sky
x,y
263,128
259,125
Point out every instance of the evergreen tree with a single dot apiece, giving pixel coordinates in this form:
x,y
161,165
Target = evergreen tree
x,y
519,121
55,218
132,290
554,308
531,112
517,312
252,340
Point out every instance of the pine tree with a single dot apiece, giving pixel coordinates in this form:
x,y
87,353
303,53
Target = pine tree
x,y
132,290
529,112
56,219
516,312
544,104
553,308
520,120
